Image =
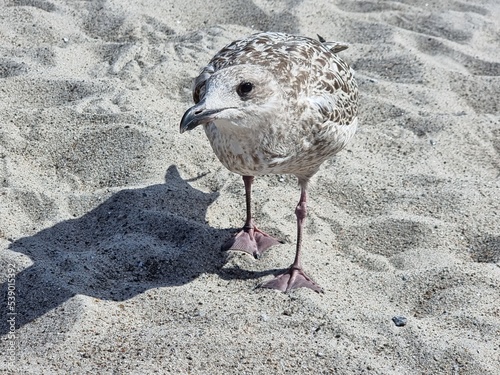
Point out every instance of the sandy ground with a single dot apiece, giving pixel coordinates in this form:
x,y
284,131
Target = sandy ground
x,y
111,221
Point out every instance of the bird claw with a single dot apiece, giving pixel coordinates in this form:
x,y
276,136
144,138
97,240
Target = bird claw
x,y
252,241
293,278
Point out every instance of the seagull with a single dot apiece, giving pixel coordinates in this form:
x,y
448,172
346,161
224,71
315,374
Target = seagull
x,y
275,103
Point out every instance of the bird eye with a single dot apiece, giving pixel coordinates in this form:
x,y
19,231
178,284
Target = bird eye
x,y
244,88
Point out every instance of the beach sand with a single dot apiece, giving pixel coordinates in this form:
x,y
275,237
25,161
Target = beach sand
x,y
111,221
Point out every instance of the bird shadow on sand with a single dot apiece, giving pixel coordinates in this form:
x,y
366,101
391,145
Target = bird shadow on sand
x,y
136,240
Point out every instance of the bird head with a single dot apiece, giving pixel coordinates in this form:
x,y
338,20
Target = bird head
x,y
231,93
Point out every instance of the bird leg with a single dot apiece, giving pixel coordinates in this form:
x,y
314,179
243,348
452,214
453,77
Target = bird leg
x,y
295,276
250,239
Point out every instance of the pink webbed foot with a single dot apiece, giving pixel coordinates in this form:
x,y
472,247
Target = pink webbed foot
x,y
251,240
293,278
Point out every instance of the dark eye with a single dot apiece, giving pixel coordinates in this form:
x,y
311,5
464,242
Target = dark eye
x,y
244,88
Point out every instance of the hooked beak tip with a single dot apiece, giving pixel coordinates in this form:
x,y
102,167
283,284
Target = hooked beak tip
x,y
198,115
189,120
194,116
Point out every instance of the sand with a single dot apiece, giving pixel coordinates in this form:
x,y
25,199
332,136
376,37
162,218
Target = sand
x,y
111,221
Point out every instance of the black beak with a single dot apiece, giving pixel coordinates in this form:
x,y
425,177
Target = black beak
x,y
197,115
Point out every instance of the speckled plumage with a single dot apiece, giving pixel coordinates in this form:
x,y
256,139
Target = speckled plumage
x,y
313,119
275,103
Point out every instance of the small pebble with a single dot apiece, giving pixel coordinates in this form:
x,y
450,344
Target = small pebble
x,y
399,321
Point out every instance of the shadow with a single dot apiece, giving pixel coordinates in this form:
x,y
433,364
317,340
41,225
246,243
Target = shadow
x,y
136,240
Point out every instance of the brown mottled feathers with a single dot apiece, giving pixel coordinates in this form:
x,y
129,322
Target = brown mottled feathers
x,y
302,110
302,65
275,103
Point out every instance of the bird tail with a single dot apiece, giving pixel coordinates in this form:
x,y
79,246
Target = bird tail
x,y
335,47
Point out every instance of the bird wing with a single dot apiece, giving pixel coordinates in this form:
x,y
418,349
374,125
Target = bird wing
x,y
302,65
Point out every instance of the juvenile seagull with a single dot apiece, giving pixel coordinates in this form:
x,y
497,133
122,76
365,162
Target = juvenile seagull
x,y
275,103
